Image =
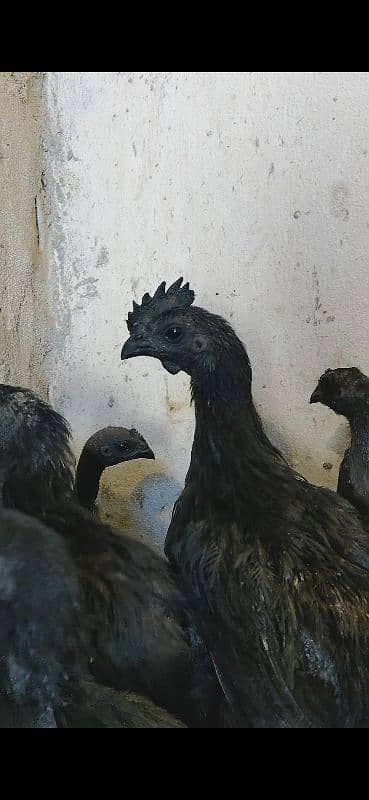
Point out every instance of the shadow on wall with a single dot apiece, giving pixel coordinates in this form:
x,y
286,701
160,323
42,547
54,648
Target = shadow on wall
x,y
340,439
146,512
305,461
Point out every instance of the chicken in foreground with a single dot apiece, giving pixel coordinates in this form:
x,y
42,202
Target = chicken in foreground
x,y
45,676
276,570
140,628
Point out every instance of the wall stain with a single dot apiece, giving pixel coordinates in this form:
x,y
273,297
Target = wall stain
x,y
317,303
103,257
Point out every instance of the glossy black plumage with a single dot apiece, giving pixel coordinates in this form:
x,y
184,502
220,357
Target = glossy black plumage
x,y
141,636
43,637
277,570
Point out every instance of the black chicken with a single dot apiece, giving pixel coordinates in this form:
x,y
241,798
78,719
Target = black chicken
x,y
276,569
142,637
346,391
45,678
43,638
106,448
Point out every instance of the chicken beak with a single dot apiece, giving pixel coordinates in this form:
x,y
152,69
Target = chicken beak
x,y
134,347
316,397
148,453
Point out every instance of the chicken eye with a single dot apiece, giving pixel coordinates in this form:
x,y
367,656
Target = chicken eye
x,y
124,446
173,333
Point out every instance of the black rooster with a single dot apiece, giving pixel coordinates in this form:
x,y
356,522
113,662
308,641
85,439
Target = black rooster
x,y
346,391
276,569
141,636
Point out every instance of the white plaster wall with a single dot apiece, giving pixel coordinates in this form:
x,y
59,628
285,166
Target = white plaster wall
x,y
255,187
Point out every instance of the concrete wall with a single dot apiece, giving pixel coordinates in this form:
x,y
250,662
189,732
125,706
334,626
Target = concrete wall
x,y
254,186
25,324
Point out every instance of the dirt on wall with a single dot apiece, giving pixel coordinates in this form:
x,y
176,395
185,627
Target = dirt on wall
x,y
25,311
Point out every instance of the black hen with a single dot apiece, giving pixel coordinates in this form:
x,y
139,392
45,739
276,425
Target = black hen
x,y
43,637
45,679
142,638
106,448
346,391
276,569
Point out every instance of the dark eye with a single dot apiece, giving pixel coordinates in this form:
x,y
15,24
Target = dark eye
x,y
173,333
124,446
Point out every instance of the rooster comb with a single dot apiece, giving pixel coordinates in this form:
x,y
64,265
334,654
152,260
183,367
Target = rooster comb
x,y
177,296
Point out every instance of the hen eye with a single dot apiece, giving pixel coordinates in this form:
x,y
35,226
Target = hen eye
x,y
173,333
124,446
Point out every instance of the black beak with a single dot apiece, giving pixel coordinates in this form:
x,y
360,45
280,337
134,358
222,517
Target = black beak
x,y
316,397
135,347
129,349
147,453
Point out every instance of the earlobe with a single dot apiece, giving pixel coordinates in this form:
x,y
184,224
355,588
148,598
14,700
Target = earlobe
x,y
199,343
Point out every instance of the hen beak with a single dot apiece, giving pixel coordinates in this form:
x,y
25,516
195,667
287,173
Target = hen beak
x,y
316,397
135,347
147,453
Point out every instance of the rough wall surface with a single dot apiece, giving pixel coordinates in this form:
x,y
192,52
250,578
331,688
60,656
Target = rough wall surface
x,y
255,187
25,323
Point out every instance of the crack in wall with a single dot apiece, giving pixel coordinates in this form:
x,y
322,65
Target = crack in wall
x,y
26,313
